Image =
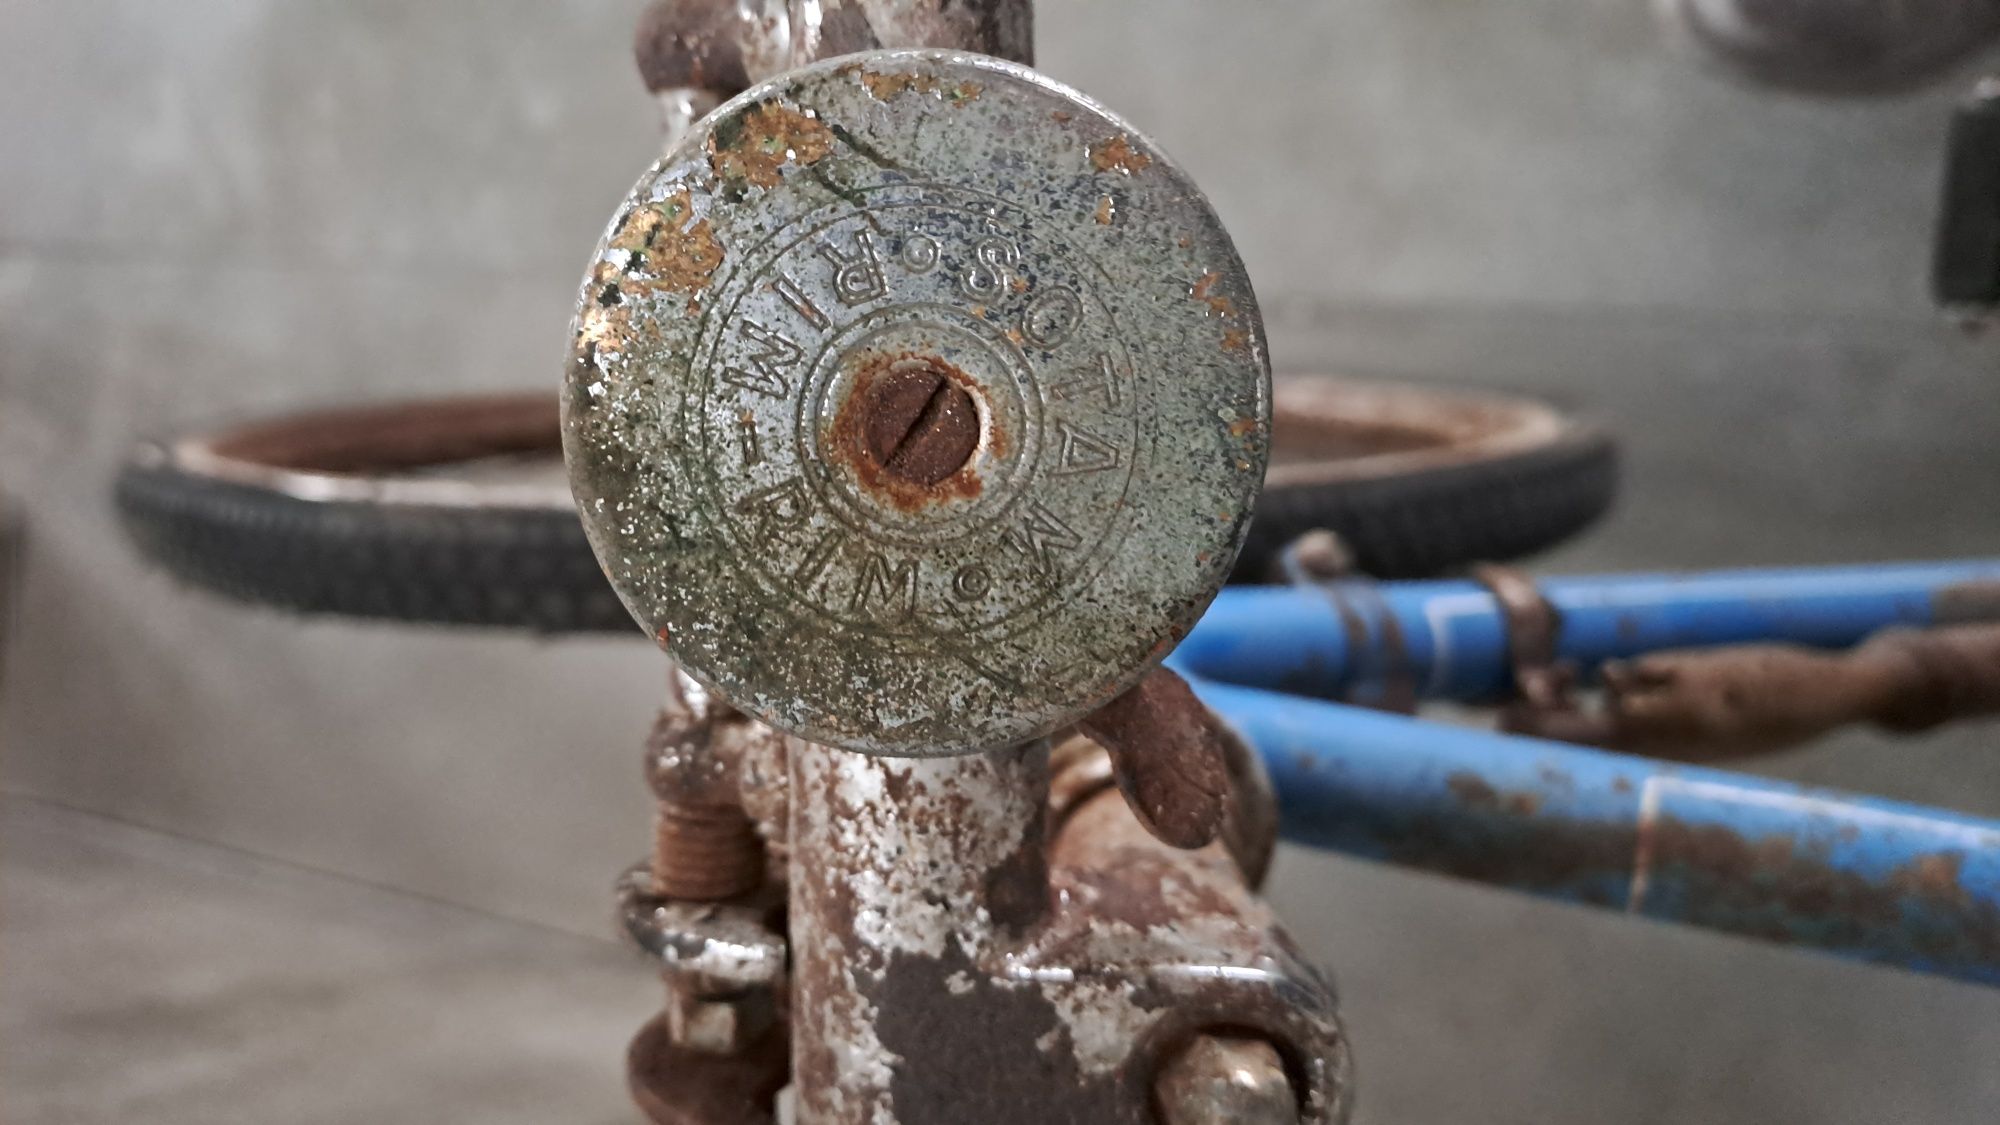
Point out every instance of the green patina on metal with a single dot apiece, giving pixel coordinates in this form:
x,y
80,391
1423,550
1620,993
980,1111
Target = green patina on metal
x,y
949,210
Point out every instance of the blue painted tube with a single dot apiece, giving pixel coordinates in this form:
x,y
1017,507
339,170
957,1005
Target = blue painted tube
x,y
1447,639
1856,876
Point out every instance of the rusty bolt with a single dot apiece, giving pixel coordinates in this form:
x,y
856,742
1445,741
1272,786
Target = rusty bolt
x,y
706,847
715,1020
705,852
1226,1078
917,424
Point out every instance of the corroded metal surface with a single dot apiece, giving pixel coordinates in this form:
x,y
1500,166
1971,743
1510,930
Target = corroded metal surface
x,y
920,871
1964,602
1709,704
1856,876
675,1085
1010,236
717,45
955,963
824,29
709,908
713,770
1226,1078
737,941
1168,758
1079,769
1151,946
725,45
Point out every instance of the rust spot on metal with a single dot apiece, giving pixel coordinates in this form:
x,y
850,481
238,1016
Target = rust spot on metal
x,y
1775,887
1706,704
916,423
1061,116
1473,791
1937,876
408,435
844,29
1167,753
755,148
681,44
1118,155
886,87
705,853
679,1086
1978,600
669,249
910,428
1107,210
706,846
1235,340
1142,887
1204,291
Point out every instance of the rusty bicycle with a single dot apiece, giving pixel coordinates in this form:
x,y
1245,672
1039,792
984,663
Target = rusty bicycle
x,y
918,407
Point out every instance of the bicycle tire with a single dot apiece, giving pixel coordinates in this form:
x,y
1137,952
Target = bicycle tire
x,y
333,512
285,514
1456,478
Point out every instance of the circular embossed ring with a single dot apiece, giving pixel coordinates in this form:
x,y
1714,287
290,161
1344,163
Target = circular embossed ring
x,y
917,403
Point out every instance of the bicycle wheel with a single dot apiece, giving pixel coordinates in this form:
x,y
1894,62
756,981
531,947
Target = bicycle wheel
x,y
456,511
1420,481
451,511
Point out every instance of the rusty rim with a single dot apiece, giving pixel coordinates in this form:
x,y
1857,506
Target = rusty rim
x,y
1328,431
504,450
477,451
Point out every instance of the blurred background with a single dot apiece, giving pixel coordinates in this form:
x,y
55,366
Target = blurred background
x,y
258,870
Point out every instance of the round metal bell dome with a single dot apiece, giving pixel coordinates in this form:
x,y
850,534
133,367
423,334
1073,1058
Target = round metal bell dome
x,y
917,403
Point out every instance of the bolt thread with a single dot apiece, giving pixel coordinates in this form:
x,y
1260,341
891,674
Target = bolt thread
x,y
705,852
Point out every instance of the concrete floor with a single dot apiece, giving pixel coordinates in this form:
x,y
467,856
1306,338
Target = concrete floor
x,y
152,978
157,979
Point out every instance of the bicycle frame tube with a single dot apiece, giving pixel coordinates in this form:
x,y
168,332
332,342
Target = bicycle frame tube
x,y
1855,876
1448,639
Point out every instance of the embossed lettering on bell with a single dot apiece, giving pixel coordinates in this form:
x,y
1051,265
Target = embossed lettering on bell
x,y
918,404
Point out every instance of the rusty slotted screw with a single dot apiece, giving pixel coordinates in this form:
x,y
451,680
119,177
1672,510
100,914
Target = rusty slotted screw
x,y
917,424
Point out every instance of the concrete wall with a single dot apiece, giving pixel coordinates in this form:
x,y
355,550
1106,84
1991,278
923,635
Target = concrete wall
x,y
216,208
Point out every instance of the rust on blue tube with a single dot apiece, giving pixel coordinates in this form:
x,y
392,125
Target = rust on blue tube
x,y
1855,876
1358,640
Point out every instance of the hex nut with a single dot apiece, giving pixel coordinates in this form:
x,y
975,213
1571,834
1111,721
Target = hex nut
x,y
717,1022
